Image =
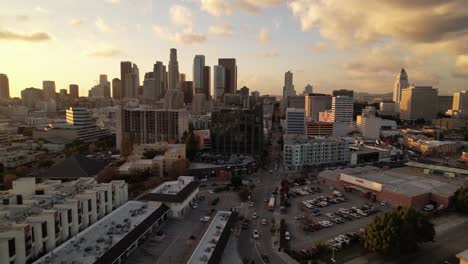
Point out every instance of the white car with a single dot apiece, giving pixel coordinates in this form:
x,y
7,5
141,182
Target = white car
x,y
330,215
254,216
211,191
264,221
256,234
287,236
205,219
194,205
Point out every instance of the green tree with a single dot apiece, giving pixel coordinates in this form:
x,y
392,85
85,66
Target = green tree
x,y
460,200
398,231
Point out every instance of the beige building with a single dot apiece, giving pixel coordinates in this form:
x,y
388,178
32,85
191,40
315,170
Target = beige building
x,y
418,102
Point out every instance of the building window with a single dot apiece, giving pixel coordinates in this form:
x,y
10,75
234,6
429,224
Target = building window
x,y
69,213
11,247
44,229
89,205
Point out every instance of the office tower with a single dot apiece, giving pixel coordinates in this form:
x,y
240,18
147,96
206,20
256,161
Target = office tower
x,y
288,88
63,92
418,102
149,87
74,91
182,78
237,131
255,94
145,125
30,96
219,82
308,89
387,108
342,109
80,120
131,82
460,101
207,82
444,103
295,121
230,74
4,87
166,78
116,88
125,69
198,104
295,101
316,103
244,94
401,82
159,74
173,71
343,92
105,84
198,73
187,89
48,87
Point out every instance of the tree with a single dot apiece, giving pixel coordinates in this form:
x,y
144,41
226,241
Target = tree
x,y
460,200
107,174
398,231
21,171
244,195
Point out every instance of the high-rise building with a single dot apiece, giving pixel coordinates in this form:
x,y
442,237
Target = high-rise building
x,y
244,93
295,121
418,102
187,89
444,103
288,88
230,74
182,78
102,89
460,101
145,125
308,89
4,87
198,72
149,87
125,69
132,82
159,73
199,104
295,101
237,131
401,82
116,88
343,92
30,96
219,82
74,91
173,71
316,103
48,87
342,109
207,82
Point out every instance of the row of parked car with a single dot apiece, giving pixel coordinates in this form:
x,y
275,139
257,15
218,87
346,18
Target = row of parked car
x,y
304,191
342,240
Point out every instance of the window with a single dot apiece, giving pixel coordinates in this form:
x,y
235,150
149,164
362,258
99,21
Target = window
x,y
11,247
89,205
69,213
44,229
106,198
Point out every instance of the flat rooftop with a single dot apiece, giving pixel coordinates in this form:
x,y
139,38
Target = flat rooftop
x,y
304,139
173,187
92,243
207,244
173,191
401,180
436,167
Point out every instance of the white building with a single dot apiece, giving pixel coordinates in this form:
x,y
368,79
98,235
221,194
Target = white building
x,y
36,218
342,109
418,102
178,195
295,121
370,126
299,151
401,82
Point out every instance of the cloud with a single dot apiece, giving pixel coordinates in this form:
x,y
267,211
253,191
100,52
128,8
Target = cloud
x,y
75,22
104,52
113,1
461,64
22,18
182,16
223,29
187,38
264,36
269,54
101,25
33,37
319,46
40,9
246,6
216,7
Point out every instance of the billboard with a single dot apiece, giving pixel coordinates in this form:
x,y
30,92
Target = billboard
x,y
375,186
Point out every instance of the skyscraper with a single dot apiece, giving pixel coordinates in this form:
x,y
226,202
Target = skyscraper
x,y
149,87
206,82
125,69
230,74
116,88
48,88
342,109
343,92
159,73
4,87
173,71
288,88
30,96
308,89
132,82
401,82
219,81
105,84
73,91
418,102
187,89
198,72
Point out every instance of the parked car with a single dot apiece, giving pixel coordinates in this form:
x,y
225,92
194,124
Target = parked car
x,y
287,236
254,216
205,219
256,234
264,221
428,207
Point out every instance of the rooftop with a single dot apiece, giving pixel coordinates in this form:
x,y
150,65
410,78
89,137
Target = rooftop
x,y
400,180
173,191
94,242
207,244
76,166
436,167
304,139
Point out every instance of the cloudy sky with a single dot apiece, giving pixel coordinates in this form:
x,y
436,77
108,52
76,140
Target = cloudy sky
x,y
331,44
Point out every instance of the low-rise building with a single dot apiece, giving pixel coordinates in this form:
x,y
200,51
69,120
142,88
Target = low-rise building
x,y
14,156
300,151
426,146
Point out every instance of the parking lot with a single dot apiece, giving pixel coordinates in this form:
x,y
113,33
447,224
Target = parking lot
x,y
327,222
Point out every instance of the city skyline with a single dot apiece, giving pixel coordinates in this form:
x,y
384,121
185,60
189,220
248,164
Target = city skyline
x,y
358,52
